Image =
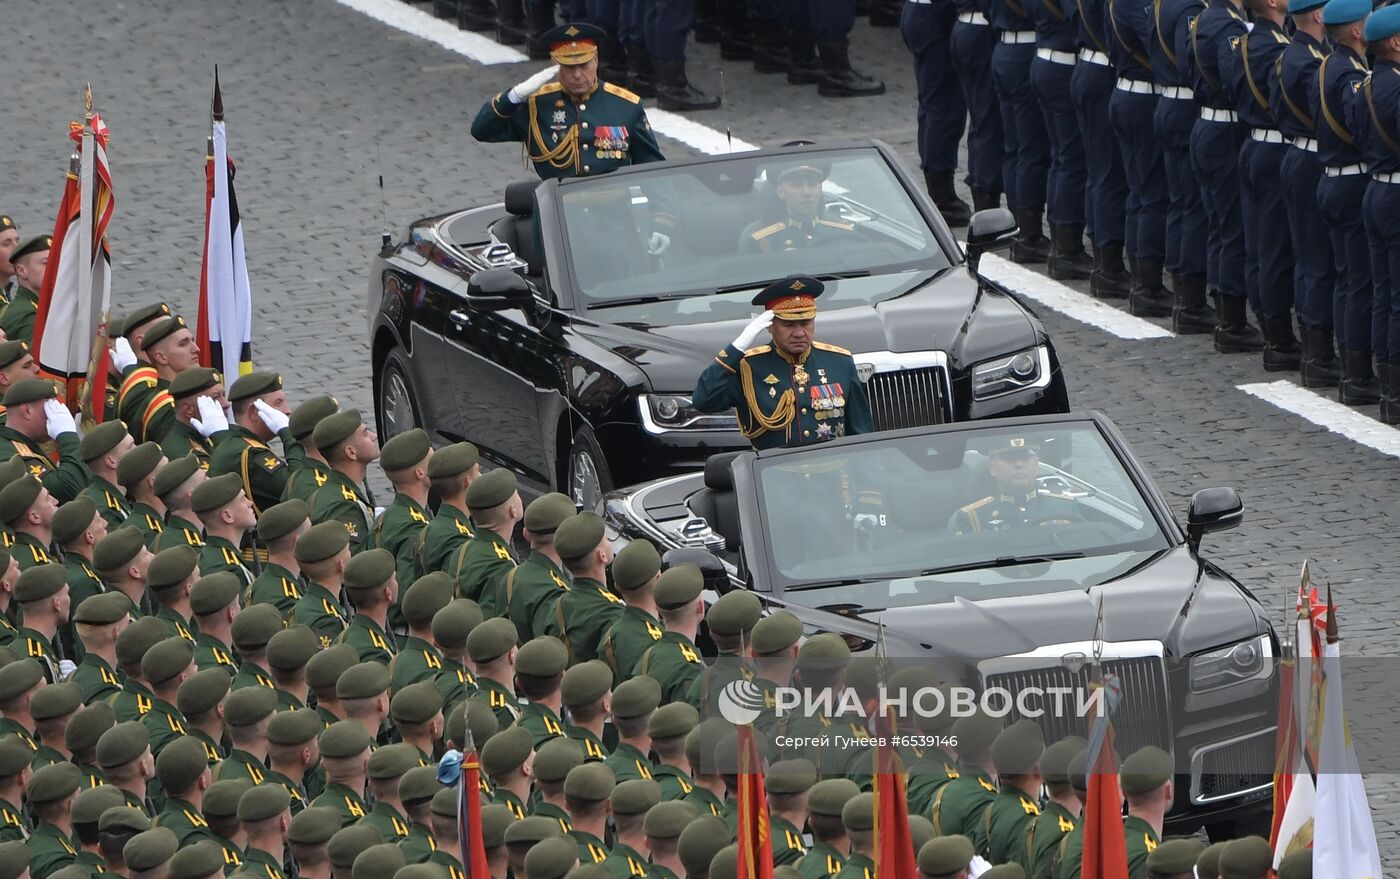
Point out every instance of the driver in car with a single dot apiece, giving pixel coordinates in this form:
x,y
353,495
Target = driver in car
x,y
1017,503
799,186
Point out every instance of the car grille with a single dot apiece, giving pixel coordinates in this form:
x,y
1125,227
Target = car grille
x,y
1243,763
909,397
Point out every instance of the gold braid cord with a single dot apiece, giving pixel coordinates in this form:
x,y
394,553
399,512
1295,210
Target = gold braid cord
x,y
565,155
783,413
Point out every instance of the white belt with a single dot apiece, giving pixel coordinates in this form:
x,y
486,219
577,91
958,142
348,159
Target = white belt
x,y
1386,178
973,18
1347,170
922,2
1093,57
1015,37
1178,93
1056,56
1210,114
1266,135
1137,86
1306,143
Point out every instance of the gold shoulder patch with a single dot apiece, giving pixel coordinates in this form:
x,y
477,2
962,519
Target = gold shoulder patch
x,y
977,505
549,88
845,227
835,349
763,233
761,349
620,92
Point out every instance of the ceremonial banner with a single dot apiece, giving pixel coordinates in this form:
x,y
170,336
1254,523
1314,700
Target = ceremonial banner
x,y
464,770
1105,848
894,844
755,841
225,323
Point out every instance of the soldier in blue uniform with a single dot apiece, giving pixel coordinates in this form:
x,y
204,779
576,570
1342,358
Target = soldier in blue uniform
x,y
1377,130
1027,152
927,30
1091,89
1051,73
571,123
971,47
1017,503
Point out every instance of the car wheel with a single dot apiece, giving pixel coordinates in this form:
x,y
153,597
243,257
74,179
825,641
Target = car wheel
x,y
588,476
398,408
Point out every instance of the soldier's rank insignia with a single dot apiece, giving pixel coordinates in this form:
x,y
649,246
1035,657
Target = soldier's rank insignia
x,y
771,379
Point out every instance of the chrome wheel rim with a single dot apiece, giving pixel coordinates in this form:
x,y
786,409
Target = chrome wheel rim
x,y
584,486
398,406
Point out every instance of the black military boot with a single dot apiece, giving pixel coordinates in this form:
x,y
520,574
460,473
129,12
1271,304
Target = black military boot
x,y
510,23
1281,351
1390,399
1319,368
674,91
1358,385
1109,280
735,38
445,9
940,188
985,200
885,13
1233,332
1192,314
1031,245
707,21
1149,298
837,78
640,76
803,68
1068,259
476,15
540,18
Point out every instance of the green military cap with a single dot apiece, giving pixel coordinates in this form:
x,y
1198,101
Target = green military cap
x,y
221,798
454,728
203,690
295,727
491,490
1248,857
369,570
825,651
263,801
326,667
734,613
12,468
40,582
174,474
578,535
181,763
7,655
425,870
481,720
429,594
29,390
859,812
507,750
445,802
363,681
673,720
543,657
1146,769
204,858
699,842
123,743
15,756
162,330
89,805
589,781
193,381
1298,865
405,450
332,430
51,783
829,797
282,519
416,703
86,727
214,592
678,587
291,648
12,350
1005,871
101,439
492,639
791,776
775,633
102,609
173,566
1208,863
1054,763
216,492
72,519
547,512
977,728
55,700
419,783
632,797
1017,749
454,622
636,697
392,761
117,549
142,316
725,863
1176,856
127,818
920,831
137,638
531,829
377,861
19,677
344,738
635,565
586,682
496,820
247,706
551,858
348,842
254,384
305,417
167,659
254,627
1079,771
453,460
555,757
668,820
139,463
320,542
17,497
150,849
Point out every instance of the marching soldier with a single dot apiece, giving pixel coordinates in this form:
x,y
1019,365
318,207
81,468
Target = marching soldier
x,y
387,765
211,598
532,589
675,660
1060,814
279,529
322,554
945,856
451,470
584,612
98,622
260,412
348,446
18,683
1147,786
169,579
405,459
174,485
42,593
539,670
668,729
586,692
958,805
370,583
264,811
480,567
788,783
450,628
491,647
201,700
145,403
730,620
1016,754
136,474
419,659
50,796
28,508
102,449
630,802
132,644
228,515
1378,133
77,529
323,672
15,756
252,629
195,423
166,666
314,471
345,748
827,855
858,816
588,788
506,757
633,702
29,261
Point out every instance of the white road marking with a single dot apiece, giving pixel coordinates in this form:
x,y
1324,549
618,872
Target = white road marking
x,y
1329,414
401,16
1069,302
694,135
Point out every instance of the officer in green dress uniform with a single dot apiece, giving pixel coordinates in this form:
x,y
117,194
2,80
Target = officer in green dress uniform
x,y
539,670
419,659
416,791
586,694
174,485
675,660
858,816
200,699
630,802
532,589
322,554
449,629
252,629
183,771
633,702
386,766
492,649
99,621
166,666
552,764
1146,776
668,728
507,758
170,578
29,260
211,599
1017,503
451,471
102,449
810,391
1060,814
945,856
788,783
246,713
228,515
348,445
827,854
1005,823
958,805
32,417
191,431
588,608
260,413
635,571
278,583
373,588
587,790
265,811
481,565
730,621
42,593
799,186
405,460
570,123
345,749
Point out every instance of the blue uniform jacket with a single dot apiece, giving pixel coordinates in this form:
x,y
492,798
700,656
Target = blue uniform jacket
x,y
1055,26
1010,15
1247,71
1214,33
1380,110
1173,22
1092,19
1339,97
1133,39
1293,94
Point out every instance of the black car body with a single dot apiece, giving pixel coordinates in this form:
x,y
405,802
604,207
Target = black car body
x,y
563,381
1190,645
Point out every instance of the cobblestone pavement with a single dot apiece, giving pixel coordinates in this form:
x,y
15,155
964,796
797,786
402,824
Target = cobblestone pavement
x,y
320,98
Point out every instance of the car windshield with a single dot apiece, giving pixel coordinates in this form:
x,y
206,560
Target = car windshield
x,y
985,513
693,243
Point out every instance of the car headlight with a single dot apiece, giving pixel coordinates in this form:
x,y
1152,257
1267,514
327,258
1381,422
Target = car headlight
x,y
1024,369
1233,664
663,413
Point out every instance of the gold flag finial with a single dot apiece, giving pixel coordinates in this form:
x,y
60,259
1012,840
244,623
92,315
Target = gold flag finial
x,y
1332,637
87,101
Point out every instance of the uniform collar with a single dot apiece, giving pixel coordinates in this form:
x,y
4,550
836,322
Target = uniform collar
x,y
1018,499
1307,39
787,358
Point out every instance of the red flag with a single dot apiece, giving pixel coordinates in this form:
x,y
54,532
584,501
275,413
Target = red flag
x,y
894,845
1105,847
1285,747
755,843
69,217
223,329
469,818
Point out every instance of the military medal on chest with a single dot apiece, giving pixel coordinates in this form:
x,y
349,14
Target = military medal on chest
x,y
799,374
770,381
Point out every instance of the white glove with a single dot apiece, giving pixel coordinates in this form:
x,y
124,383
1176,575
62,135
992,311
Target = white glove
x,y
378,511
122,355
754,330
978,866
58,419
657,243
276,421
867,521
519,93
211,418
66,667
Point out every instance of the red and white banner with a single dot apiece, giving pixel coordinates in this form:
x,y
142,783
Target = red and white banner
x,y
224,330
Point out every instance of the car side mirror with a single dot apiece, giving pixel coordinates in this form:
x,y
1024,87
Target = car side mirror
x,y
716,577
989,230
499,290
1212,509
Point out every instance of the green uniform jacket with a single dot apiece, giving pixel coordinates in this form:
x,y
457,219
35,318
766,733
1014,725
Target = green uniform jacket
x,y
1054,823
178,625
1142,841
183,820
148,522
542,723
503,797
821,862
264,474
215,751
10,727
958,805
705,689
276,586
210,652
501,701
350,804
133,701
787,842
1005,824
17,319
250,674
705,801
46,756
781,402
454,682
400,531
416,661
29,552
531,591
34,645
111,501
311,475
390,823
182,440
582,615
549,810
366,636
929,770
574,146
479,569
49,851
262,864
296,791
628,763
442,538
92,776
241,764
454,867
419,845
180,531
858,866
591,849
675,783
630,635
675,662
625,862
219,554
165,723
12,827
83,581
1069,854
145,404
64,481
341,500
320,611
593,747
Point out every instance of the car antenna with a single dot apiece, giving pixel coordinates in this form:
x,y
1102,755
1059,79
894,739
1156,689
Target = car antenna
x,y
384,237
724,102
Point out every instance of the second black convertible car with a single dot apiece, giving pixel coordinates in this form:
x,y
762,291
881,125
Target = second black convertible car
x,y
562,332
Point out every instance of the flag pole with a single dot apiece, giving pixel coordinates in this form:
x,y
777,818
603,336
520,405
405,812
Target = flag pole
x,y
88,229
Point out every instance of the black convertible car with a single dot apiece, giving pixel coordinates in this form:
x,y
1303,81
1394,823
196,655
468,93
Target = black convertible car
x,y
562,332
1105,569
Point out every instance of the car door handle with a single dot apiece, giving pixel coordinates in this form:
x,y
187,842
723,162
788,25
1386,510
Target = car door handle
x,y
458,316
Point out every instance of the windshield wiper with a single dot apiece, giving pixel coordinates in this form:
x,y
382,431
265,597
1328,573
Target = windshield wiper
x,y
824,584
641,300
830,276
1005,561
